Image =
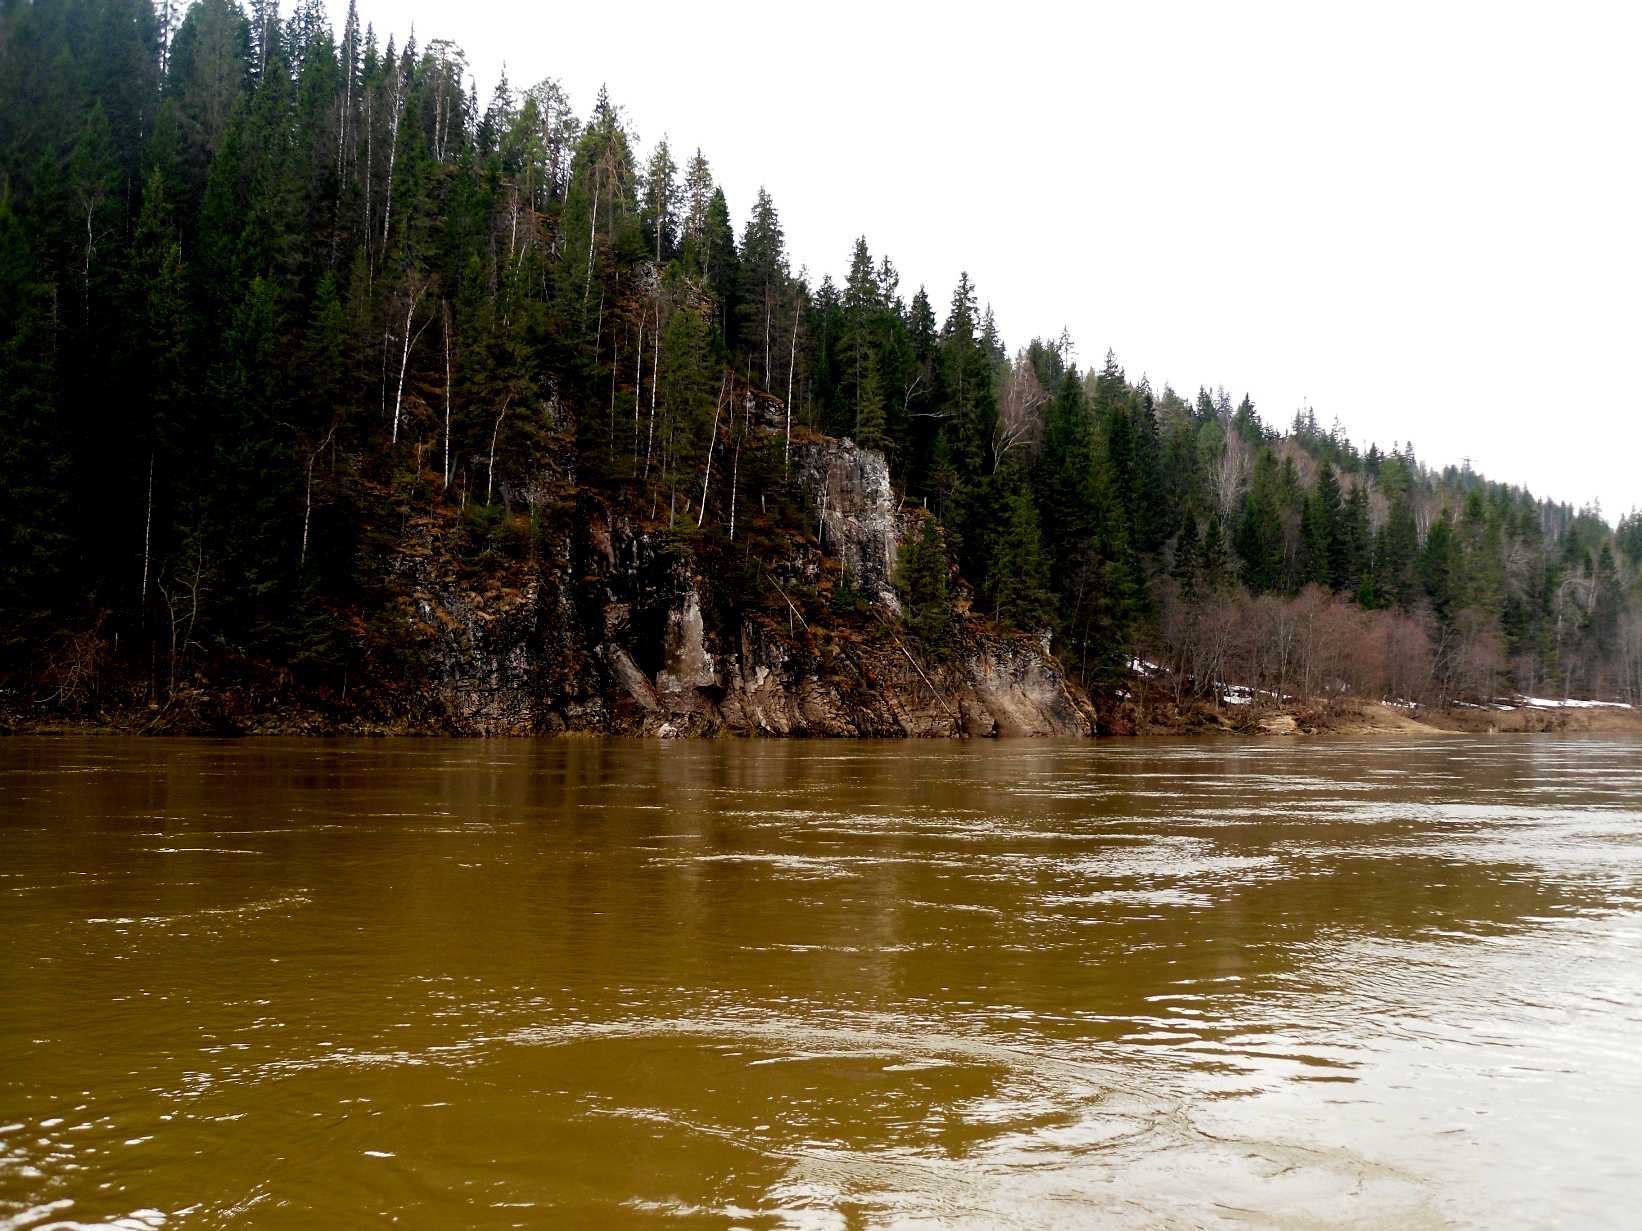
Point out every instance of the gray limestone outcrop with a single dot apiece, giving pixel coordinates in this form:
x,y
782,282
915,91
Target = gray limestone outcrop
x,y
856,513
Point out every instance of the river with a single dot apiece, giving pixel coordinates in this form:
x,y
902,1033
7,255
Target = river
x,y
576,983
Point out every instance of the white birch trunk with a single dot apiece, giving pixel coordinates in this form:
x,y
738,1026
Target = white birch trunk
x,y
148,526
638,393
393,147
712,440
655,380
369,127
792,356
592,231
490,467
308,495
347,107
735,467
444,473
404,361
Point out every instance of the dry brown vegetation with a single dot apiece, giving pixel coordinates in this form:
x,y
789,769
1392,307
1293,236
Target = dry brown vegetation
x,y
1317,646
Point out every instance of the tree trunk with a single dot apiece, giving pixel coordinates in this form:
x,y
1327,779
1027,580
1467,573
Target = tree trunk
x,y
490,468
308,495
393,147
444,473
592,230
404,360
655,379
735,466
711,441
367,178
638,393
792,355
148,527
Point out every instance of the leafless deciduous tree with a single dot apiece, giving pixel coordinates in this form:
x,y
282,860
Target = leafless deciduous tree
x,y
490,465
712,441
75,663
1230,475
308,489
395,87
183,597
444,470
1020,412
1318,647
415,285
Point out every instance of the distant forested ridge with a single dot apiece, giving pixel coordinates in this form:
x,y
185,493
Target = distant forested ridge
x,y
272,295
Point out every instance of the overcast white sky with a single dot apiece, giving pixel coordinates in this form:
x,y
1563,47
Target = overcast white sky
x,y
1425,219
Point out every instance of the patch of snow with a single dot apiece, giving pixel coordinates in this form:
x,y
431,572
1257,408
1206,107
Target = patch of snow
x,y
1572,704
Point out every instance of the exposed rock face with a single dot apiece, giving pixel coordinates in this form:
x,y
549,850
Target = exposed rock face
x,y
685,662
634,681
1024,693
858,519
619,637
484,673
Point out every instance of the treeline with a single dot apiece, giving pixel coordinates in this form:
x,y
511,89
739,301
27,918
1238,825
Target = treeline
x,y
1316,645
269,292
1459,587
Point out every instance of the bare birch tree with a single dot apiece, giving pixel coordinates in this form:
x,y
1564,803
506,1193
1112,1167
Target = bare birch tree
x,y
415,285
1020,411
490,466
444,470
1230,476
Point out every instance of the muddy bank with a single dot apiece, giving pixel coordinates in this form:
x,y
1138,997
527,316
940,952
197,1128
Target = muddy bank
x,y
1374,718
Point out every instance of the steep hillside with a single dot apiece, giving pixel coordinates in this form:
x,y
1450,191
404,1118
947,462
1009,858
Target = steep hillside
x,y
336,398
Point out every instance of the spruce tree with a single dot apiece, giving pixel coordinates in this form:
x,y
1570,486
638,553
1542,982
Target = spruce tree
x,y
36,545
1215,559
1259,528
763,259
967,382
869,414
1317,567
921,577
1187,562
858,326
722,268
1330,515
1018,570
1395,555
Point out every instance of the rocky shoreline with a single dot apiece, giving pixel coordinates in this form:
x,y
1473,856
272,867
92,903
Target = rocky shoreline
x,y
618,627
989,706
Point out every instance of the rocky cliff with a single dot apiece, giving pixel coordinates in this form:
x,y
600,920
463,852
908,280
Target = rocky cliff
x,y
624,634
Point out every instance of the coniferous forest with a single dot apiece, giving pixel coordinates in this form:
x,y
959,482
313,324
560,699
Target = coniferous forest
x,y
279,301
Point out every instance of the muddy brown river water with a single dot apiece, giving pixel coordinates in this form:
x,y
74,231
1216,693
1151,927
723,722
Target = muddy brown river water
x,y
444,984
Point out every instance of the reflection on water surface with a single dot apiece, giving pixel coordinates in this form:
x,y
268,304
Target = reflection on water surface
x,y
573,983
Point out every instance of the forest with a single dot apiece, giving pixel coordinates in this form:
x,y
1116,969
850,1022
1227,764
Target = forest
x,y
271,292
